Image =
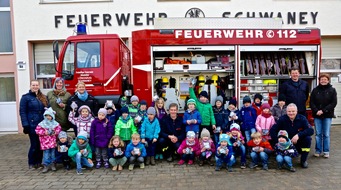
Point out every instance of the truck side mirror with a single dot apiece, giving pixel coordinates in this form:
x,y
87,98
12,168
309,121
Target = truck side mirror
x,y
56,49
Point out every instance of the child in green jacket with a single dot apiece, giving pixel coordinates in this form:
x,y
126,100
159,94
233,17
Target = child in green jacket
x,y
125,126
80,152
205,109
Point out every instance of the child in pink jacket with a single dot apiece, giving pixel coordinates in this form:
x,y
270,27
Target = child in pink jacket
x,y
48,131
265,121
188,148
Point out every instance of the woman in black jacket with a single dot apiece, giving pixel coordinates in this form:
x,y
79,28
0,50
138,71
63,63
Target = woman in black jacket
x,y
81,98
323,101
31,111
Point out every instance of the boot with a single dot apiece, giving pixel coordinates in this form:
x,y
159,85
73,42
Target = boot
x,y
45,169
98,165
120,168
147,160
53,167
66,164
106,164
152,161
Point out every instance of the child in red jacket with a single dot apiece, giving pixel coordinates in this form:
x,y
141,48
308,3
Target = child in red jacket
x,y
188,148
260,150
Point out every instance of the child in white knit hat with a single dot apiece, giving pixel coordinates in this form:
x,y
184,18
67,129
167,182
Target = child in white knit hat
x,y
188,148
207,147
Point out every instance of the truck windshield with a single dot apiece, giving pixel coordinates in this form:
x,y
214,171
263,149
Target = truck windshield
x,y
88,54
68,61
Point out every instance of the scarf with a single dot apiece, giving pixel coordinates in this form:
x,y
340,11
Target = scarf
x,y
83,96
126,119
284,146
81,146
59,92
48,125
190,143
266,115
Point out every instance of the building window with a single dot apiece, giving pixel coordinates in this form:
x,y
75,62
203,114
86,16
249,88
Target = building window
x,y
7,92
6,28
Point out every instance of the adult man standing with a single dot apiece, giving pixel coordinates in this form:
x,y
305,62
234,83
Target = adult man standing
x,y
296,91
298,129
172,132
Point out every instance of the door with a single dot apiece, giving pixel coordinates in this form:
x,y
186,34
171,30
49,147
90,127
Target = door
x,y
8,104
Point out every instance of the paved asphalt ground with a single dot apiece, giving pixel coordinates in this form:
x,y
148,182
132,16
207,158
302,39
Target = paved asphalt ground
x,y
321,174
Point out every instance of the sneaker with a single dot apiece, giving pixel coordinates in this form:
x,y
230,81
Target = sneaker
x,y
106,164
161,156
170,159
181,162
45,169
131,167
142,165
190,162
265,167
98,164
201,163
79,172
326,156
292,169
210,163
229,169
304,164
53,167
31,167
253,165
317,155
217,168
152,161
120,168
114,168
157,156
242,165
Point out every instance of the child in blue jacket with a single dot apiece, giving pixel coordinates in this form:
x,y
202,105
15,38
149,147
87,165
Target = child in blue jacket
x,y
150,130
224,153
192,118
135,151
248,117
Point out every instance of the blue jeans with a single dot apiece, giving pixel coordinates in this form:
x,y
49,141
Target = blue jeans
x,y
229,160
248,134
240,151
202,156
82,161
284,159
49,156
322,127
255,156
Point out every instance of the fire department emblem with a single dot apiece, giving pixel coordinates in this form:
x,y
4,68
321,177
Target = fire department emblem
x,y
195,13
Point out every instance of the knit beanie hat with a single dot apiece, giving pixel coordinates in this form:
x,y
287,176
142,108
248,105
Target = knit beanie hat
x,y
224,137
205,133
284,134
151,111
191,101
204,94
50,112
265,106
259,96
281,97
134,98
234,127
246,99
190,134
220,99
84,107
102,110
62,134
143,102
124,110
233,102
82,135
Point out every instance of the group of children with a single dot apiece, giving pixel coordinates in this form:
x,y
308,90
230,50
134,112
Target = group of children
x,y
131,135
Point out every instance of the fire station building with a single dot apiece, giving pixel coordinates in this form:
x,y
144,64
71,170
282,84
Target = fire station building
x,y
28,28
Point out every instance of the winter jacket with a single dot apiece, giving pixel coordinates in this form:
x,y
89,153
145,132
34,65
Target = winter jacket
x,y
258,109
172,127
61,114
299,126
189,115
264,144
133,110
48,141
100,133
221,118
277,111
111,152
295,94
202,145
248,116
323,97
224,156
234,139
195,147
230,121
150,129
131,147
68,143
160,113
113,117
90,101
73,150
82,124
125,129
31,111
263,125
205,110
291,151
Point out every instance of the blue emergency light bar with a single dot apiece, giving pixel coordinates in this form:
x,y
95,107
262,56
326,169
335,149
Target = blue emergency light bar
x,y
81,28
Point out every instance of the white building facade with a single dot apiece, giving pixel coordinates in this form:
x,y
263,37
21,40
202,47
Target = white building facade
x,y
35,24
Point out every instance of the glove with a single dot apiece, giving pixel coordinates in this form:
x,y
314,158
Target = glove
x,y
26,129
